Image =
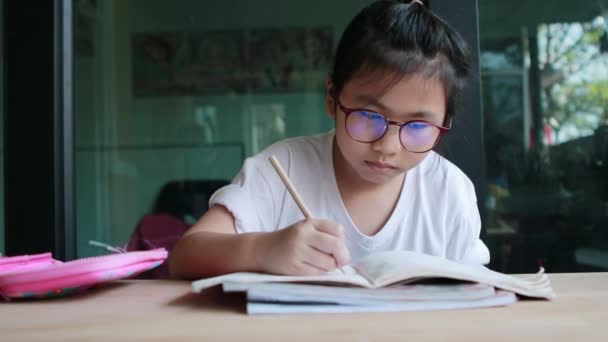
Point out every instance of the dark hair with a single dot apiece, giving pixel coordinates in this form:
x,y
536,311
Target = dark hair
x,y
398,38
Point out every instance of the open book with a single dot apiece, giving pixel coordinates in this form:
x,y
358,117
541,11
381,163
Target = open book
x,y
388,273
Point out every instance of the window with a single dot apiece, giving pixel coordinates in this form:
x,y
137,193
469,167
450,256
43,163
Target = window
x,y
171,96
545,99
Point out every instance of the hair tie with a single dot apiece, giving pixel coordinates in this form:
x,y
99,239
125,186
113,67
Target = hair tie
x,y
417,1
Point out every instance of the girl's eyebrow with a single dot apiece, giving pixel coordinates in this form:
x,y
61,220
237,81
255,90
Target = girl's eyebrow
x,y
373,101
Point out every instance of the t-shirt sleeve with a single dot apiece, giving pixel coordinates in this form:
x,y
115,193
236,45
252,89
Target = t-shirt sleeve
x,y
464,244
249,199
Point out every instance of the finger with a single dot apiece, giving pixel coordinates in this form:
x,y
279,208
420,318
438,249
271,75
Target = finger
x,y
307,269
324,242
330,244
333,245
328,227
318,259
341,254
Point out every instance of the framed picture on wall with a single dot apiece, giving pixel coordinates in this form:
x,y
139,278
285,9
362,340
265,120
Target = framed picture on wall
x,y
231,61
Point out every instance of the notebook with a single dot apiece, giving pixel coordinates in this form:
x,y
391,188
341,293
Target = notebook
x,y
273,298
379,282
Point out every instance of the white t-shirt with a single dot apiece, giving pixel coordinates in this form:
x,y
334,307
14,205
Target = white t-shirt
x,y
436,214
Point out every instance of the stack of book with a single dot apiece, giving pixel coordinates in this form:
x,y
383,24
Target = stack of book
x,y
383,282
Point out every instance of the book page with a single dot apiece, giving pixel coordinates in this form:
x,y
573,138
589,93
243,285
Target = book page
x,y
346,275
387,268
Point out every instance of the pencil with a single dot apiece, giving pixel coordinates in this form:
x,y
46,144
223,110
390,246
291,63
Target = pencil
x,y
292,190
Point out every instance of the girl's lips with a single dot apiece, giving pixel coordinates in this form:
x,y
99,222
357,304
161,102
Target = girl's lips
x,y
379,165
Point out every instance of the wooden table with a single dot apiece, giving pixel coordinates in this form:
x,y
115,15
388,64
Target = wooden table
x,y
166,310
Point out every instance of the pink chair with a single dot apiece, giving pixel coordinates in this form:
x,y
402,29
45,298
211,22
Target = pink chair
x,y
178,202
156,231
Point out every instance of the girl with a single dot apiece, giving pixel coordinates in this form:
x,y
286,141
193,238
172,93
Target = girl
x,y
373,184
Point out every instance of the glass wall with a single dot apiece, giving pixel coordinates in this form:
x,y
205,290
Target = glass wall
x,y
545,99
171,96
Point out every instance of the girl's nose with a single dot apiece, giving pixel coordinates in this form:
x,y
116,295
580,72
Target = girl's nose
x,y
389,143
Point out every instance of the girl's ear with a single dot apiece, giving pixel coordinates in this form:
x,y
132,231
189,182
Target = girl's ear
x,y
329,98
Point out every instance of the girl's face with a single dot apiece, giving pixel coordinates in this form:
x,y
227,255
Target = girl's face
x,y
412,98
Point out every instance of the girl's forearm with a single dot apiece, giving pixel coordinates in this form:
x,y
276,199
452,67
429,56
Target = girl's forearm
x,y
206,254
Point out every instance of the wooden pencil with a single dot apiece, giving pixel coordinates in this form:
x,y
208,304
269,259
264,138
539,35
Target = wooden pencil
x,y
292,190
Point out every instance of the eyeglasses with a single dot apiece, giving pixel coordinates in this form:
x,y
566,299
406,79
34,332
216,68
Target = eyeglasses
x,y
416,136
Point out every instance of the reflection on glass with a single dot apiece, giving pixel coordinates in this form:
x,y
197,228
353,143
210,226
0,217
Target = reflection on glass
x,y
545,86
175,94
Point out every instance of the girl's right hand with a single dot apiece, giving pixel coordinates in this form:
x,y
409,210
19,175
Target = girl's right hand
x,y
308,247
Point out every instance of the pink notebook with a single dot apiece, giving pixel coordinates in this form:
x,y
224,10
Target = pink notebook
x,y
40,276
